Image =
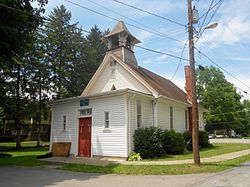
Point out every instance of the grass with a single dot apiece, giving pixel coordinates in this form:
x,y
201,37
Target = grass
x,y
217,149
158,169
26,156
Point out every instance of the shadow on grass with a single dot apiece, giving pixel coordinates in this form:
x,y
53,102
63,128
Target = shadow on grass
x,y
23,149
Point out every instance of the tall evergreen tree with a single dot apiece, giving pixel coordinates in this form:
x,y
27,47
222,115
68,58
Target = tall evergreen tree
x,y
67,54
94,39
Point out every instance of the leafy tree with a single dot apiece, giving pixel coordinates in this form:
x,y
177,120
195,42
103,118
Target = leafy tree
x,y
220,98
16,40
17,19
37,73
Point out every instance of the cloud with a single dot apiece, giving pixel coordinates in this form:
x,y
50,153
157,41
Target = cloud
x,y
234,26
159,59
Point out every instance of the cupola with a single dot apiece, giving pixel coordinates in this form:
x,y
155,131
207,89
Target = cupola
x,y
121,42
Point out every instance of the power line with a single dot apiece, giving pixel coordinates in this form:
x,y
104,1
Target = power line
x,y
27,13
104,7
221,67
179,60
209,9
219,5
206,16
234,112
202,31
162,53
102,14
150,13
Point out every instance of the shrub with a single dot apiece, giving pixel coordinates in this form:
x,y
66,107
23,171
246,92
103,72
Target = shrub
x,y
5,155
148,142
47,155
188,140
203,140
134,157
173,142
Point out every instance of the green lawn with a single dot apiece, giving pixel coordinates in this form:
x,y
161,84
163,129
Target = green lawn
x,y
158,169
26,156
217,149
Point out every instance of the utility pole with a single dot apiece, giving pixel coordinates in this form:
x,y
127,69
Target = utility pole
x,y
195,124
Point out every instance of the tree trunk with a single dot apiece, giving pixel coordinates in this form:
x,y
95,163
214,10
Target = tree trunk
x,y
39,118
18,108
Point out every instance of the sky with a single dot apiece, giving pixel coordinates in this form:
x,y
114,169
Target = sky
x,y
228,45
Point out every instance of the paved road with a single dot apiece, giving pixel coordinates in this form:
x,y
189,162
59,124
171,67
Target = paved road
x,y
229,140
45,177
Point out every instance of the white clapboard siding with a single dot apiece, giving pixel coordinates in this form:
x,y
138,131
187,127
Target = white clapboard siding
x,y
201,121
163,111
121,79
70,134
179,118
147,112
147,116
163,117
111,142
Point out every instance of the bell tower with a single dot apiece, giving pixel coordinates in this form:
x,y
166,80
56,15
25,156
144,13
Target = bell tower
x,y
121,42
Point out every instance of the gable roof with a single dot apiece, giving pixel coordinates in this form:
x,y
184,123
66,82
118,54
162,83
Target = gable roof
x,y
119,28
163,86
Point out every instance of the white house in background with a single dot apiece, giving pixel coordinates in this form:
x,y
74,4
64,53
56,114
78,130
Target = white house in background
x,y
120,97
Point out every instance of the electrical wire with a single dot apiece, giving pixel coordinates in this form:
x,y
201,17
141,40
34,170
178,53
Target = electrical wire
x,y
102,14
150,13
162,53
219,5
234,112
42,17
179,60
221,67
104,7
205,16
209,9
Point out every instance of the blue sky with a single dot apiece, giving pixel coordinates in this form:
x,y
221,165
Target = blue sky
x,y
228,44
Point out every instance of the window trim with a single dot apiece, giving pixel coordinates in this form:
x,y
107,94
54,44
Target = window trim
x,y
186,120
171,118
106,120
64,122
138,113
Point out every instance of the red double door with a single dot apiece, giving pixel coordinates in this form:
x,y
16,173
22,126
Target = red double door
x,y
84,144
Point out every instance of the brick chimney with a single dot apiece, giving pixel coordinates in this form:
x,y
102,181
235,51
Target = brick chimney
x,y
188,82
189,95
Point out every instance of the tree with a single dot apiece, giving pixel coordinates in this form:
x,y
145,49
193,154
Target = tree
x,y
16,39
72,59
67,54
94,39
17,19
37,73
220,98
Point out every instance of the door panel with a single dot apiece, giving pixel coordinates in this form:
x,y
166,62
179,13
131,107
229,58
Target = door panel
x,y
84,144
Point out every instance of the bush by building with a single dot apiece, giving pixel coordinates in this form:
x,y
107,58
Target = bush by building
x,y
148,142
173,142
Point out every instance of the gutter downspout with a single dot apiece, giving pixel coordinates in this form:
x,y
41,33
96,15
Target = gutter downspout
x,y
128,125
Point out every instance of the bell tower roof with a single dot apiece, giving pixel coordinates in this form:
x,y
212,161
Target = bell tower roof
x,y
121,28
121,43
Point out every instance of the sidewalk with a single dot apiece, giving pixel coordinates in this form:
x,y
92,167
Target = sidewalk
x,y
105,161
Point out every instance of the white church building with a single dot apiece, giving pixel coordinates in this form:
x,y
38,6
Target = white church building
x,y
120,97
